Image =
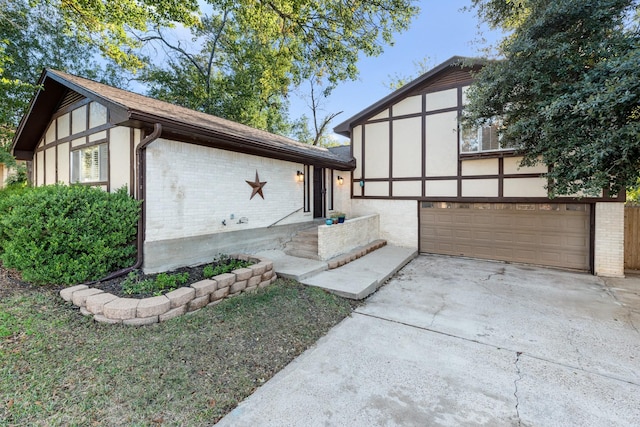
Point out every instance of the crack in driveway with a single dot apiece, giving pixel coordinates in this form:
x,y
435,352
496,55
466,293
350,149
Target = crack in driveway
x,y
515,383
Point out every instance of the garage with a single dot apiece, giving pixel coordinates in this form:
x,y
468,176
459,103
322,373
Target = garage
x,y
549,234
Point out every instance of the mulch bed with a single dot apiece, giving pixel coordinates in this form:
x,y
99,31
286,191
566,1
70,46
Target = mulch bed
x,y
11,282
114,286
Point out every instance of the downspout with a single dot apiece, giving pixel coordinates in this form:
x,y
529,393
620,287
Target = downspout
x,y
140,195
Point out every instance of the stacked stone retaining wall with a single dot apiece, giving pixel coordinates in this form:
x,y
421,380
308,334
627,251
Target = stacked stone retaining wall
x,y
108,308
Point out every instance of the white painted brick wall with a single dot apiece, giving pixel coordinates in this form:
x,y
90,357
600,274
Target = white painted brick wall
x,y
609,240
191,189
398,219
337,239
341,193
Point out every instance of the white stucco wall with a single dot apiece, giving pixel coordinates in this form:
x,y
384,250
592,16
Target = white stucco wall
x,y
609,240
192,189
398,219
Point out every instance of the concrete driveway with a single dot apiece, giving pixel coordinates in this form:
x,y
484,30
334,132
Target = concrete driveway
x,y
451,341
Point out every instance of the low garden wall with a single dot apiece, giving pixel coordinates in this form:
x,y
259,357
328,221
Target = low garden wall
x,y
108,308
337,239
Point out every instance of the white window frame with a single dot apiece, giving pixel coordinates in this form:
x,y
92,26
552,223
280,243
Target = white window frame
x,y
482,139
90,164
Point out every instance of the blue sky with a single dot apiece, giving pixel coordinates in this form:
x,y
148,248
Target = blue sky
x,y
441,30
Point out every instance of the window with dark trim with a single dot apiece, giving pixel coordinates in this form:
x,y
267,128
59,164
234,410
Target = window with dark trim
x,y
482,139
90,164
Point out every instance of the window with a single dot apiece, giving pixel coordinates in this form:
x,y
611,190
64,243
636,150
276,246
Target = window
x,y
485,138
89,164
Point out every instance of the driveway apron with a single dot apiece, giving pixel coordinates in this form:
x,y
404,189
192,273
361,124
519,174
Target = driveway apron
x,y
451,341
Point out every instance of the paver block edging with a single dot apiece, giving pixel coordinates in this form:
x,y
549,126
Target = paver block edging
x,y
79,298
153,306
110,309
67,293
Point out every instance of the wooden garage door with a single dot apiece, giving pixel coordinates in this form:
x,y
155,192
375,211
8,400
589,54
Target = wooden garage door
x,y
544,234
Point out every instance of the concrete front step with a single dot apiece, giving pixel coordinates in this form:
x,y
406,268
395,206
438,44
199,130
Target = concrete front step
x,y
299,253
304,244
362,277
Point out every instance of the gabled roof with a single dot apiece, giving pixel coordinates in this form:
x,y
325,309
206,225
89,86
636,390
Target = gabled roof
x,y
459,62
179,123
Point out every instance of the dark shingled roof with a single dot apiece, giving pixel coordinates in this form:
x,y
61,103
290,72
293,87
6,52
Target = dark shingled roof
x,y
342,151
132,109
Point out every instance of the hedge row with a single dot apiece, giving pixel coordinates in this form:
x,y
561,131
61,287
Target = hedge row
x,y
66,235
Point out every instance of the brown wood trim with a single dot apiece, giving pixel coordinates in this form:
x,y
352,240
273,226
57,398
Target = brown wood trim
x,y
70,108
419,225
459,172
504,176
132,136
354,171
391,151
455,177
592,238
89,144
362,154
490,154
93,184
82,134
537,200
307,183
44,164
440,88
501,177
108,157
423,141
410,116
332,187
55,148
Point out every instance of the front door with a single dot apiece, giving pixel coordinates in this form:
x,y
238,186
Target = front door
x,y
319,191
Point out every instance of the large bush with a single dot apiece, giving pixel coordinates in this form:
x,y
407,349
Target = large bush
x,y
65,235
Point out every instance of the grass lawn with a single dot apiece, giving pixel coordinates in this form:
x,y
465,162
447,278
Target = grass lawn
x,y
58,367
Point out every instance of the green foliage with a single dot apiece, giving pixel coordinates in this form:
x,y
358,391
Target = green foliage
x,y
251,54
107,25
67,234
224,265
161,284
32,37
568,89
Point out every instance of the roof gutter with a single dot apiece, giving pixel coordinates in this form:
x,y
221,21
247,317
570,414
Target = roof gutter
x,y
140,195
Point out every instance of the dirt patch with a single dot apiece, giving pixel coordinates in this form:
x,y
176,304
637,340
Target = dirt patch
x,y
11,283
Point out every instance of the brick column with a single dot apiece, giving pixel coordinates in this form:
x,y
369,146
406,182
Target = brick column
x,y
609,240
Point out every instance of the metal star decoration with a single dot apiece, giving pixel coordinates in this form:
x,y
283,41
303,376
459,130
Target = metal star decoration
x,y
257,186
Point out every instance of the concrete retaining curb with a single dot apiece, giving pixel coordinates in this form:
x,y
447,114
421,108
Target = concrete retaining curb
x,y
110,309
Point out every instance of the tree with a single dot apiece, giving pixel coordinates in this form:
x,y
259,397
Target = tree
x,y
397,80
320,122
568,89
106,24
32,38
248,54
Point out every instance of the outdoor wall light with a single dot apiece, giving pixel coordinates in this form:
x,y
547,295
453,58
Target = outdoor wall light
x,y
300,176
340,180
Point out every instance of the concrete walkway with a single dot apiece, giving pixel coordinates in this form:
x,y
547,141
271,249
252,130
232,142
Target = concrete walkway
x,y
451,341
355,280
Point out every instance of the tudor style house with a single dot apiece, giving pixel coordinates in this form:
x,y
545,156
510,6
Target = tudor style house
x,y
209,185
448,191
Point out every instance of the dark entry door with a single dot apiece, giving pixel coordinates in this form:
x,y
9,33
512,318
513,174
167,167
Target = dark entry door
x,y
319,191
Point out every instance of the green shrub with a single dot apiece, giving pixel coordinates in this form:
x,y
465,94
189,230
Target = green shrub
x,y
163,283
67,234
224,265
